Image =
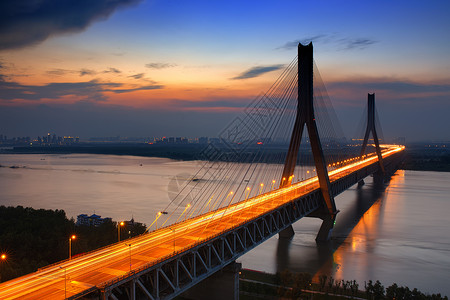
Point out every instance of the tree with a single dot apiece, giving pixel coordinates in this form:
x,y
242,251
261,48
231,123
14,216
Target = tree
x,y
378,290
392,291
354,287
322,281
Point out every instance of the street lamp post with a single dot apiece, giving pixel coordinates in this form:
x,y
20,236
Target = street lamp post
x,y
118,229
173,231
65,282
2,259
129,247
70,245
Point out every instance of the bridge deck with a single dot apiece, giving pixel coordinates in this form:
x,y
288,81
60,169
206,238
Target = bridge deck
x,y
85,272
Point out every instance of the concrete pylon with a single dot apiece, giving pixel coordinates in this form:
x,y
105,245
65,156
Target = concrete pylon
x,y
371,128
305,117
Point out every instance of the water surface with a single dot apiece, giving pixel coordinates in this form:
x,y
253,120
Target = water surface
x,y
397,233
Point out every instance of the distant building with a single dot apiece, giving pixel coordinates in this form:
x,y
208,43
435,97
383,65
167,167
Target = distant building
x,y
92,220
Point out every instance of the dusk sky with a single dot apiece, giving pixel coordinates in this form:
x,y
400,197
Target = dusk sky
x,y
186,68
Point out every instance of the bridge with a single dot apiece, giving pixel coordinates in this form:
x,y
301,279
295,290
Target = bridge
x,y
201,240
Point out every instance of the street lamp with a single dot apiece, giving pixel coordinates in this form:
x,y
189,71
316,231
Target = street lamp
x,y
72,237
248,190
159,215
3,256
118,229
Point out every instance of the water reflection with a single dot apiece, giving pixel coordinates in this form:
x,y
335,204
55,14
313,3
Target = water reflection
x,y
356,230
365,235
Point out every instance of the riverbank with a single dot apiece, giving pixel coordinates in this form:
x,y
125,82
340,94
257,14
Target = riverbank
x,y
418,157
260,285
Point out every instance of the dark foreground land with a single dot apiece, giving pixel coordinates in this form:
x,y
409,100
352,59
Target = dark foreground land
x,y
418,156
34,238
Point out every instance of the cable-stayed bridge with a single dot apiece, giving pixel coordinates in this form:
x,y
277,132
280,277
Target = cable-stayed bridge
x,y
246,191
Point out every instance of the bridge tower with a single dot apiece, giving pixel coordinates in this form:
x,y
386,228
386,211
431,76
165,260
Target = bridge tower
x,y
305,117
371,127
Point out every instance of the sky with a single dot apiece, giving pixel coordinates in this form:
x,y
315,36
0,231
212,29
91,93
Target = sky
x,y
157,68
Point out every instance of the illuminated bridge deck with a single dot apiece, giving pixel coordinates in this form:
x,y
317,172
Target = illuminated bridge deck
x,y
98,268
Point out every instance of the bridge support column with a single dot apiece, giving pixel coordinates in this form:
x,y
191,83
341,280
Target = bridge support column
x,y
379,177
326,229
287,233
361,183
223,285
328,221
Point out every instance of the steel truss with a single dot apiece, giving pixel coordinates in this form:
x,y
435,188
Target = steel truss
x,y
171,277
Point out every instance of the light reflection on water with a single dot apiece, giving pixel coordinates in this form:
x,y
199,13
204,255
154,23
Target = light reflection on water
x,y
398,233
395,234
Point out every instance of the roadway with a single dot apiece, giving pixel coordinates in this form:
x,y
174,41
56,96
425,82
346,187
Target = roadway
x,y
71,277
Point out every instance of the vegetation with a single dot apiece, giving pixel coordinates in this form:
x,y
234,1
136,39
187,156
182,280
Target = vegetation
x,y
32,239
288,285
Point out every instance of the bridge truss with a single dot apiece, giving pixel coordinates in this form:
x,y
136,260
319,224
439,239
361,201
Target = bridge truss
x,y
173,276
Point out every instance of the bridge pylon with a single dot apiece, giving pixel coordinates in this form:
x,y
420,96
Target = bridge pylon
x,y
305,117
371,128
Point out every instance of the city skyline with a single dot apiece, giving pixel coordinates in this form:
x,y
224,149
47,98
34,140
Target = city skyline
x,y
153,68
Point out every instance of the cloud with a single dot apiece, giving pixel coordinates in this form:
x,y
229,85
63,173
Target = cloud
x,y
87,72
58,72
159,65
137,76
392,86
29,22
293,44
235,102
112,70
342,43
142,88
91,90
257,71
82,72
359,43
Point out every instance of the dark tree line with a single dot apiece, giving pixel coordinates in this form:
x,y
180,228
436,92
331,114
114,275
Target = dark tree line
x,y
33,238
291,285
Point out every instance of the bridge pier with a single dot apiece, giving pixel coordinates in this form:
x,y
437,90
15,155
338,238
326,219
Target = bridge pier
x,y
287,233
223,285
326,229
328,221
379,177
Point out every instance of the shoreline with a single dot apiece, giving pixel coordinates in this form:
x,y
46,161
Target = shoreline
x,y
415,159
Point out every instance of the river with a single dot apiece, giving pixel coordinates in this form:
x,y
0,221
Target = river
x,y
398,233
